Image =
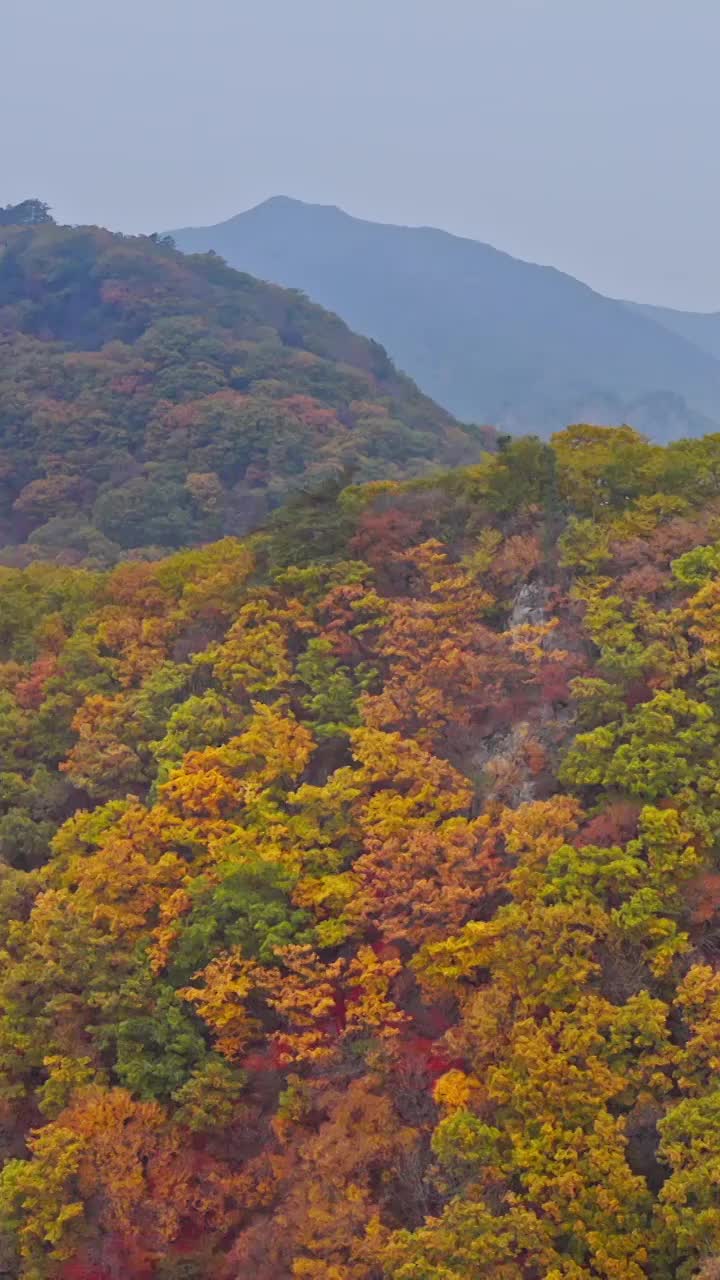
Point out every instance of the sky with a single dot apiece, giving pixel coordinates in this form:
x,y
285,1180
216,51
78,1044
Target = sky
x,y
579,133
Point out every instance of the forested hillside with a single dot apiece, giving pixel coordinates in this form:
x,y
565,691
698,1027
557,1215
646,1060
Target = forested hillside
x,y
150,401
360,884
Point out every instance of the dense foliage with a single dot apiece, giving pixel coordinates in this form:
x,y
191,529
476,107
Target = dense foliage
x,y
360,886
150,401
29,213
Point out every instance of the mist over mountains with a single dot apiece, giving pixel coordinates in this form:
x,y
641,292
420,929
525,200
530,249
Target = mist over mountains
x,y
492,338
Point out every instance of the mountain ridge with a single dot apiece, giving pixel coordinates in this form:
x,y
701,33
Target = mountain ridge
x,y
492,337
702,328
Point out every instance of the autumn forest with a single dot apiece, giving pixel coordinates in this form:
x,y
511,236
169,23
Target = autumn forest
x,y
359,805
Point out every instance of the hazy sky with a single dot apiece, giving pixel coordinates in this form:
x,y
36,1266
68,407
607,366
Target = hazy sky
x,y
581,133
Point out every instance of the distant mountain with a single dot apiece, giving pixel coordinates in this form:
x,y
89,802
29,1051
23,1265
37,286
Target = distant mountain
x,y
702,328
492,338
150,400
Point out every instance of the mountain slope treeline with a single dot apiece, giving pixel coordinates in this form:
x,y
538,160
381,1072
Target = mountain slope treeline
x,y
149,400
360,886
495,339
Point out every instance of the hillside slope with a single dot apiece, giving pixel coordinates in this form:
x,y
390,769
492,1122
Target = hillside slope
x,y
360,886
702,328
493,338
151,400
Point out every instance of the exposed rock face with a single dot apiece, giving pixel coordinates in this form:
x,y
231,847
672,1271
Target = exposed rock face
x,y
529,605
504,764
515,765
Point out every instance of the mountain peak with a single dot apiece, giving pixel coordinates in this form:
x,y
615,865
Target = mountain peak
x,y
284,205
491,337
278,202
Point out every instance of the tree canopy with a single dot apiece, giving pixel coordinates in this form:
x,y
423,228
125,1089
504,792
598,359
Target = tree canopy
x,y
360,885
